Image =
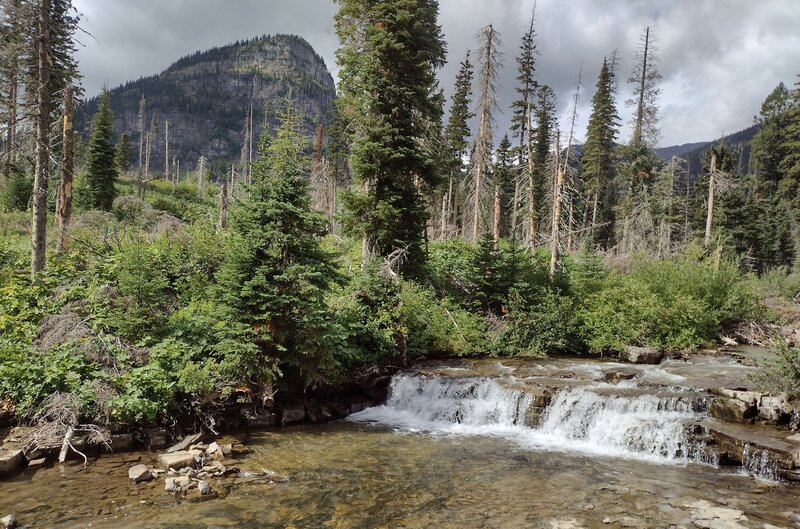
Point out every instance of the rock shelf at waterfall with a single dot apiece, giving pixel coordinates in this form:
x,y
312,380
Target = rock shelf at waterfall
x,y
658,413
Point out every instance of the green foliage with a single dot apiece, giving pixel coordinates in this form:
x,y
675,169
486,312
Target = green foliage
x,y
676,304
122,155
101,167
389,55
781,374
276,274
17,193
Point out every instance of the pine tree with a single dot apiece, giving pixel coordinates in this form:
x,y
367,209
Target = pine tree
x,y
122,156
276,273
768,146
503,180
101,167
598,171
543,140
456,136
390,52
790,165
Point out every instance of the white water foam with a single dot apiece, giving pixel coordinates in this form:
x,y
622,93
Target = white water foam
x,y
761,464
643,427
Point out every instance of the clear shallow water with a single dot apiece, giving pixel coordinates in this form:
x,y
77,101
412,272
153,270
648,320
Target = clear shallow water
x,y
348,475
448,454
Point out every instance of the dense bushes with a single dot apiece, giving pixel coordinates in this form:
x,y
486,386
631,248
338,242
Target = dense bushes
x,y
136,322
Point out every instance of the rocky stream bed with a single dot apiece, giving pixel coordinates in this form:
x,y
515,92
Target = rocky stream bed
x,y
554,443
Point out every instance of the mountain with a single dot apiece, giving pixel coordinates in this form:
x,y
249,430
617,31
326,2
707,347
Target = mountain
x,y
693,152
206,98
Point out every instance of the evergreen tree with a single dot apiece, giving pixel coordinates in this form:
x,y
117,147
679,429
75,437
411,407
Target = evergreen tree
x,y
276,273
390,52
122,157
790,165
101,167
598,171
543,140
768,147
503,179
456,137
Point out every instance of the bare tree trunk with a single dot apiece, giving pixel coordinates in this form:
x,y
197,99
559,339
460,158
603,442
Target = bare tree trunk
x,y
686,205
13,96
710,214
250,147
594,212
223,206
139,174
639,123
39,225
498,204
201,169
532,206
444,221
515,208
166,155
64,197
482,157
555,234
570,223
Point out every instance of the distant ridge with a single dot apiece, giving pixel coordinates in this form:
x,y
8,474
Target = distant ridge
x,y
206,97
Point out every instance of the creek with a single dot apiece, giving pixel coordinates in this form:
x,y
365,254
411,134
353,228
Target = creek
x,y
555,443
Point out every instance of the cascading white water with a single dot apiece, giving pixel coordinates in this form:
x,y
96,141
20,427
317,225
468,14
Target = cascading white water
x,y
577,419
761,464
642,425
456,405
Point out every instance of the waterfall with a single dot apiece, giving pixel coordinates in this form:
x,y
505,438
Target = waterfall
x,y
761,464
454,405
642,425
577,419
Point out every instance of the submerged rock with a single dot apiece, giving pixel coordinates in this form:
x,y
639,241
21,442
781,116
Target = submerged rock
x,y
140,473
204,488
615,376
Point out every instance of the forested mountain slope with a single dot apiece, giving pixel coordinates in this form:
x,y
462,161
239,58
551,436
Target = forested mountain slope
x,y
206,97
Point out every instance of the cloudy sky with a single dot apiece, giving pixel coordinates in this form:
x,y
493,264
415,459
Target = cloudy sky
x,y
719,58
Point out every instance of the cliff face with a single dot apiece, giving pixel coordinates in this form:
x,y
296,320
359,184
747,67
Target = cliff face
x,y
206,98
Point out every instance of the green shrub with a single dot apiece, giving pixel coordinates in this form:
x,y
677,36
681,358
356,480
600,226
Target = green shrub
x,y
438,327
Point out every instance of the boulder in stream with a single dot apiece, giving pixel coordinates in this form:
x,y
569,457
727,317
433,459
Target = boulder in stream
x,y
641,355
178,460
615,376
140,473
8,522
732,410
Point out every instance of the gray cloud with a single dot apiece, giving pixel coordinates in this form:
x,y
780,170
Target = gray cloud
x,y
719,58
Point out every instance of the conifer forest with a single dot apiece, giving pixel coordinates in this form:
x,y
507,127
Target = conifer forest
x,y
411,281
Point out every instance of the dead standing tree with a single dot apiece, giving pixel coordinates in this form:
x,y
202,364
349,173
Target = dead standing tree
x,y
64,196
491,63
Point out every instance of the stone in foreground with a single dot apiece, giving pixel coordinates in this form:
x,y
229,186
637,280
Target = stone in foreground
x,y
8,522
10,461
177,460
140,473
